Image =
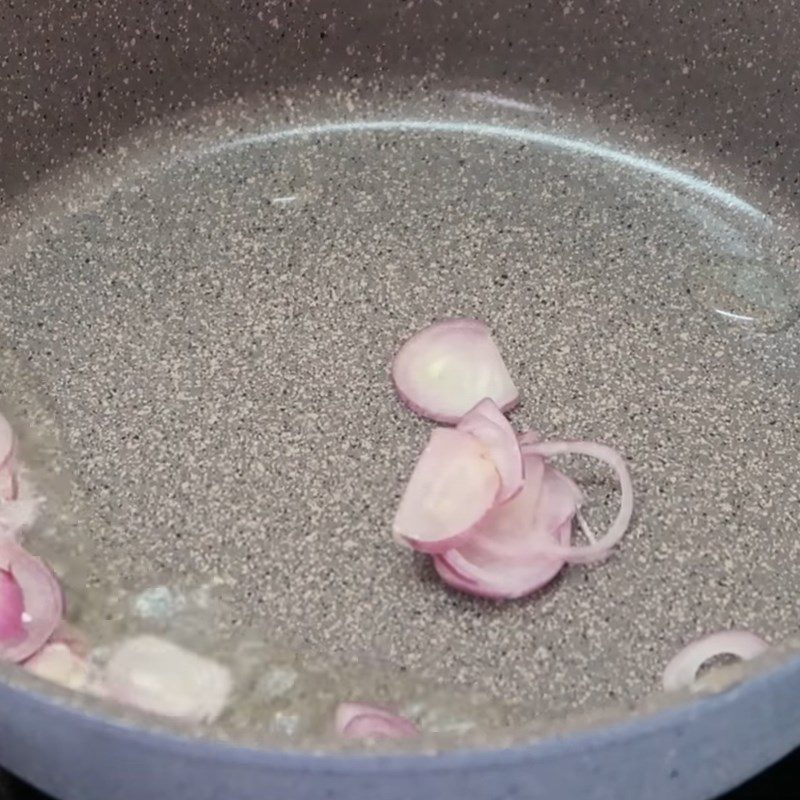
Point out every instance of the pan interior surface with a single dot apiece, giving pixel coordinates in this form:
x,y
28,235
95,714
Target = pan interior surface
x,y
201,350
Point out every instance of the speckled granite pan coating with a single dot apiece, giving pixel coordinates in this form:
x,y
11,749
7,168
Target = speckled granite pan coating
x,y
212,333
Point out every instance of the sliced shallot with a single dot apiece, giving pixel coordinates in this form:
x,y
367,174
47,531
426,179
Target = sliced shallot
x,y
681,672
156,675
487,423
58,663
500,580
12,607
454,484
19,506
502,559
363,721
26,626
447,368
528,437
599,549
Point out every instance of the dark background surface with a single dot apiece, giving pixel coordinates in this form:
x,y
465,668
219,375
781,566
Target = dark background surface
x,y
779,782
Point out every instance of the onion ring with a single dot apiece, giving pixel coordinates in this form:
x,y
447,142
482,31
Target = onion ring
x,y
681,671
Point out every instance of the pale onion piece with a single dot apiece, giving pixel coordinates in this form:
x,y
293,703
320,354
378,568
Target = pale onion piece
x,y
501,580
519,530
58,663
487,423
528,437
19,513
454,484
601,548
12,606
43,601
8,468
156,675
447,368
681,671
503,558
364,721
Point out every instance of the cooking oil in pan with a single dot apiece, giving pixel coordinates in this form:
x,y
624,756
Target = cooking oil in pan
x,y
212,332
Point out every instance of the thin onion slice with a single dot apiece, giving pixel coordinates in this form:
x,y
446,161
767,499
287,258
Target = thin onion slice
x,y
364,721
58,663
601,548
156,675
501,581
487,423
447,368
12,607
502,559
454,484
8,470
43,602
681,671
528,437
19,506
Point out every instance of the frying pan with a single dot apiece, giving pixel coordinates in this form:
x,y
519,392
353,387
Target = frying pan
x,y
219,221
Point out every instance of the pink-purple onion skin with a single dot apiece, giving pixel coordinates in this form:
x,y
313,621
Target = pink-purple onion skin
x,y
12,606
503,559
487,424
453,486
31,603
485,502
368,722
493,511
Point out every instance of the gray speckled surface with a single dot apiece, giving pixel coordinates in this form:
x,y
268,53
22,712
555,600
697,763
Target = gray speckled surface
x,y
211,334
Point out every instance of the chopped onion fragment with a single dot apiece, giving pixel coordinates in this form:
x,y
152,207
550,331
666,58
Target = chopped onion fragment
x,y
681,671
363,721
158,676
500,580
528,437
26,627
487,423
502,559
19,505
600,548
12,606
447,368
58,663
454,484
